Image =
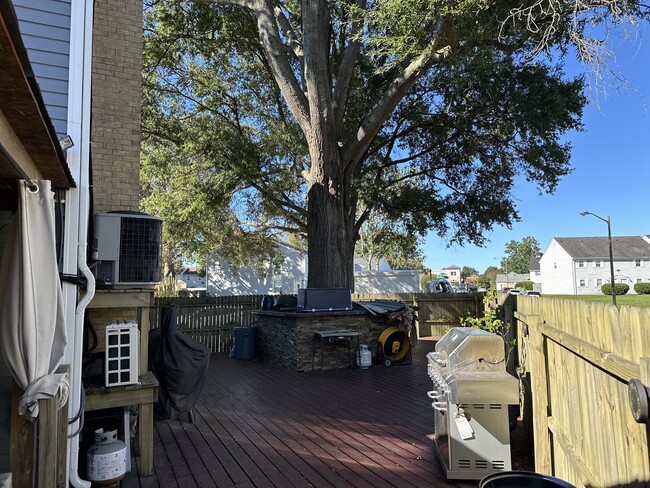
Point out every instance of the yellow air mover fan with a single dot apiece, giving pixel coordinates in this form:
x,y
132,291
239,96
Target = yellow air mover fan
x,y
393,346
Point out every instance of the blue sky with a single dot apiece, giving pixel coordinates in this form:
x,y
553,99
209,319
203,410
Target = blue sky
x,y
611,161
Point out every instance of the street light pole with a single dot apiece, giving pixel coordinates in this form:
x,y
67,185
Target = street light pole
x,y
611,254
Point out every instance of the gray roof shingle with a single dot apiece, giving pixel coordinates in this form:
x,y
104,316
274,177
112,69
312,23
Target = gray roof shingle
x,y
598,247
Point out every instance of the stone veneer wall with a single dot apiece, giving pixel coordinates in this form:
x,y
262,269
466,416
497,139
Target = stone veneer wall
x,y
287,338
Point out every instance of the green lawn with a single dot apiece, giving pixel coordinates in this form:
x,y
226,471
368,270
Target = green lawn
x,y
621,300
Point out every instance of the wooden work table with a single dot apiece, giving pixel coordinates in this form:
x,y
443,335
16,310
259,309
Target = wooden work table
x,y
144,394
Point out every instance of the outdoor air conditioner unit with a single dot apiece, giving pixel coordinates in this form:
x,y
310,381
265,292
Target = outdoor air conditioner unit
x,y
122,353
126,250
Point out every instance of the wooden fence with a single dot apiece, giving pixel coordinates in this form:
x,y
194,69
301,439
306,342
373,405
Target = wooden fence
x,y
438,312
575,362
211,320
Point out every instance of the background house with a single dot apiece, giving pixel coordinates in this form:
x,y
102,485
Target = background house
x,y
285,277
453,274
535,273
510,280
580,265
191,278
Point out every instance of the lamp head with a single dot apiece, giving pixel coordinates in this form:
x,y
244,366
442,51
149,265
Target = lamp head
x,y
583,213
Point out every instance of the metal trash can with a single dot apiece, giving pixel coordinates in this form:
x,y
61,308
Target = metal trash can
x,y
522,479
244,343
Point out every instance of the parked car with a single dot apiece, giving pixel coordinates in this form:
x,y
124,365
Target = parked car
x,y
438,286
481,289
531,293
514,291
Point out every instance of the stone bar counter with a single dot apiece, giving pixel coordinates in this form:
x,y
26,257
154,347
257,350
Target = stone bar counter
x,y
287,338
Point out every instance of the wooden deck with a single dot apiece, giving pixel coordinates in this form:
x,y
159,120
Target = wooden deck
x,y
258,425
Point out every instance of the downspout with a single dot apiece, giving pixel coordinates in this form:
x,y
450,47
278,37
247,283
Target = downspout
x,y
77,209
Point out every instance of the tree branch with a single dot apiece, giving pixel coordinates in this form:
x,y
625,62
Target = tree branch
x,y
316,29
276,55
437,52
289,33
346,70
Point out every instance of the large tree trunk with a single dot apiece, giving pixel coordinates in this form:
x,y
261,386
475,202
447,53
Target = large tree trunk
x,y
330,222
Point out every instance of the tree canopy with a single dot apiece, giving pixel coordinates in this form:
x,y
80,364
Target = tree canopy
x,y
518,255
309,118
467,271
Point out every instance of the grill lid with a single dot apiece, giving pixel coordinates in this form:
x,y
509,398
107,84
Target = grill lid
x,y
466,347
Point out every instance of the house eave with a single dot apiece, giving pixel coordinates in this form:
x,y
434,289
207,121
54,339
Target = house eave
x,y
23,108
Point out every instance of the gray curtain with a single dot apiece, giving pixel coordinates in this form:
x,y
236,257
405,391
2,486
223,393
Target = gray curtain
x,y
32,327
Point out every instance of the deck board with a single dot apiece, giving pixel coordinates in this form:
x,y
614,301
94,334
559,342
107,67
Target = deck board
x,y
261,426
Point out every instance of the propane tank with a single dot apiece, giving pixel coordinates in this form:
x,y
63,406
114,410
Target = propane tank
x,y
106,459
364,356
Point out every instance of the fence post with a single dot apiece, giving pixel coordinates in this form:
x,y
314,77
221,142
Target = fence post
x,y
539,387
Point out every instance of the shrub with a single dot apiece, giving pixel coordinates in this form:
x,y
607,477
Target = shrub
x,y
524,285
621,289
642,288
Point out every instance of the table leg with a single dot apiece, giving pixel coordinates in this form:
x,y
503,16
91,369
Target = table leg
x,y
359,350
145,437
322,346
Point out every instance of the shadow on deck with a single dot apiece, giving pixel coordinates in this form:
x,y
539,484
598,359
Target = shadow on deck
x,y
258,425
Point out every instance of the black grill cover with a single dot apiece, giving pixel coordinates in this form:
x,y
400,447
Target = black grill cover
x,y
180,364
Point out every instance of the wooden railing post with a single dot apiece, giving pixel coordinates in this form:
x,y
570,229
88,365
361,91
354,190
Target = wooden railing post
x,y
539,387
23,439
52,440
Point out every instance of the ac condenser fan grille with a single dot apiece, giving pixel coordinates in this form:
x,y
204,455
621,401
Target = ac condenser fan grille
x,y
140,245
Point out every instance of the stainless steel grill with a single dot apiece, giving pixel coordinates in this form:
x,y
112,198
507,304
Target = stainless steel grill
x,y
471,393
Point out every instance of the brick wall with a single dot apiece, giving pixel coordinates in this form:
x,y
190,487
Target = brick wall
x,y
116,100
287,339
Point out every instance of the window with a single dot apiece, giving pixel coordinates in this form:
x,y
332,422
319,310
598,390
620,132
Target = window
x,y
598,264
599,282
639,280
581,264
637,263
583,283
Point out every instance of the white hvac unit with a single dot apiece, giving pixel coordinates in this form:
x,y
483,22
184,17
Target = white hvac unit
x,y
122,353
126,250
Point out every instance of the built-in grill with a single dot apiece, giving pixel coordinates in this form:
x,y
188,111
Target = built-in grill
x,y
471,393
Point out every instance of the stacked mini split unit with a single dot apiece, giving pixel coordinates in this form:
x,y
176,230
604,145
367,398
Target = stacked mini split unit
x,y
126,255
